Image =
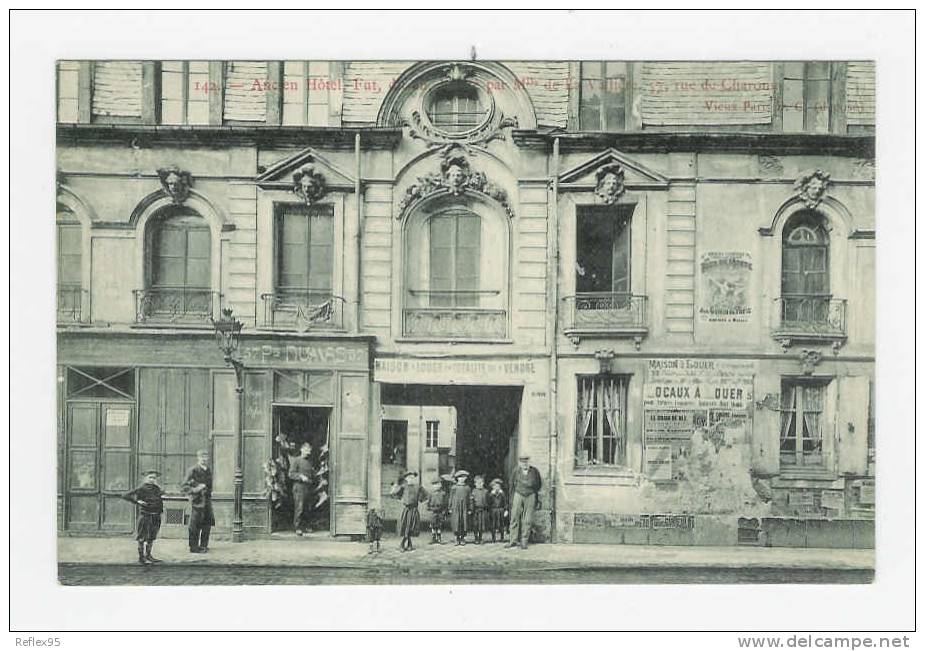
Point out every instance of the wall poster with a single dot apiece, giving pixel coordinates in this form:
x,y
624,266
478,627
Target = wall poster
x,y
724,287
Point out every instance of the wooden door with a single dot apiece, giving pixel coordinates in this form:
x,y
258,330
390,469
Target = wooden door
x,y
99,466
349,470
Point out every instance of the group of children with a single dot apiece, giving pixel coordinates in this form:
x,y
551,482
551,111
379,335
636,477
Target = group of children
x,y
464,508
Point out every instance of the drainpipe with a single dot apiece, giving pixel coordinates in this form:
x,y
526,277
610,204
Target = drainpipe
x,y
553,316
357,190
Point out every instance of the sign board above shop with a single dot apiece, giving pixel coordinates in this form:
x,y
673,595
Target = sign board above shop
x,y
458,371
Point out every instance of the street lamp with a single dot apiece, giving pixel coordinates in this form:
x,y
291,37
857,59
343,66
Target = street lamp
x,y
227,334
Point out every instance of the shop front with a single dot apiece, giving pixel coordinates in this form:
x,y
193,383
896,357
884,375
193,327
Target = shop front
x,y
437,416
129,402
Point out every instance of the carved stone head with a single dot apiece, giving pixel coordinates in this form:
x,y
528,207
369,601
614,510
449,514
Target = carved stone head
x,y
610,183
176,183
308,184
456,173
811,187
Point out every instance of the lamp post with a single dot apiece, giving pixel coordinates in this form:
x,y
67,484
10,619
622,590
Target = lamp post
x,y
227,334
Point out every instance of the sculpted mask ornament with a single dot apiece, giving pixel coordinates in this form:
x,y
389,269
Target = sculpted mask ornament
x,y
176,183
810,360
811,187
456,178
308,184
610,185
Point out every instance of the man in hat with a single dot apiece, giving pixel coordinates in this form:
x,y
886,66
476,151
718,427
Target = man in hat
x,y
301,473
150,499
525,485
198,486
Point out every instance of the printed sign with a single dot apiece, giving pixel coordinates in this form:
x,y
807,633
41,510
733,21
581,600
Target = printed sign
x,y
454,370
117,417
658,462
724,284
866,495
832,500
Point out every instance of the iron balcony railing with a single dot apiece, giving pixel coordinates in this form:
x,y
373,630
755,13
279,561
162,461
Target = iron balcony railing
x,y
175,304
605,312
71,299
303,309
811,315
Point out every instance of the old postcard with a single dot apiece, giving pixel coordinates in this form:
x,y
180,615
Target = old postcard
x,y
435,321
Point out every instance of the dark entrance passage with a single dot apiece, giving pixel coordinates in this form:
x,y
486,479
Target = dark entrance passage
x,y
293,426
486,422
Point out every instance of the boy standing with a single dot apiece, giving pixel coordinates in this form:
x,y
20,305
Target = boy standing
x,y
479,501
373,529
150,499
437,503
497,509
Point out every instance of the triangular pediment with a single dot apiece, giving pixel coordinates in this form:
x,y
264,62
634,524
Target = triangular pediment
x,y
281,172
635,173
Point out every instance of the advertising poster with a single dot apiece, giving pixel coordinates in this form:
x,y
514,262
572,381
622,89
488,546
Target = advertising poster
x,y
724,287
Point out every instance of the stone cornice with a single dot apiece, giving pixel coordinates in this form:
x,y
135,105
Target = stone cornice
x,y
147,135
750,142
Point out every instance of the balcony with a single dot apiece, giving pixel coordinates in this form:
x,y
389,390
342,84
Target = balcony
x,y
71,299
611,315
813,319
454,315
303,310
192,306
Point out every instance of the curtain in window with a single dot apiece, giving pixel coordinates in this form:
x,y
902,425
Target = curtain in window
x,y
586,435
614,403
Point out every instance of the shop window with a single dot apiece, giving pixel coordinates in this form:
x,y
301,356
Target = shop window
x,y
456,108
602,96
185,91
178,246
454,259
432,437
303,387
111,383
601,421
801,430
70,258
807,96
805,293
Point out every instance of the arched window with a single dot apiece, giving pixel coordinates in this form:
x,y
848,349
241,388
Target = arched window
x,y
456,268
805,293
456,108
178,284
70,265
455,258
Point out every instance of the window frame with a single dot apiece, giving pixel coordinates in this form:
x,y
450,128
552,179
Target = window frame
x,y
605,80
457,129
786,79
431,434
598,420
280,211
622,225
798,412
153,231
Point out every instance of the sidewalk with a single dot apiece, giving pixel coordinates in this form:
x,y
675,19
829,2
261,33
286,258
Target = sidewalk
x,y
321,552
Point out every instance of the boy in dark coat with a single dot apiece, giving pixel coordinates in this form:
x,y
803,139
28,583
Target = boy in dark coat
x,y
497,509
373,529
150,499
459,506
437,503
479,503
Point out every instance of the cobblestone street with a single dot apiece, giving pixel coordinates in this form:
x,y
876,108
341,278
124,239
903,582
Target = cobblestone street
x,y
315,560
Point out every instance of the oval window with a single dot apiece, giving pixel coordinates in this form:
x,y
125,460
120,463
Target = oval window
x,y
456,108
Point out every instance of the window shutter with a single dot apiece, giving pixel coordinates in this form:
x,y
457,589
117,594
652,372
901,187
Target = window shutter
x,y
245,101
117,90
851,424
766,428
830,417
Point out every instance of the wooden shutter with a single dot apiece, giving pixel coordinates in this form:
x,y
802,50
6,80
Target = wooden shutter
x,y
350,450
117,89
441,259
245,101
321,250
766,432
467,256
851,424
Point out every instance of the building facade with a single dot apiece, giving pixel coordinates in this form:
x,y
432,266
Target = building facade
x,y
655,278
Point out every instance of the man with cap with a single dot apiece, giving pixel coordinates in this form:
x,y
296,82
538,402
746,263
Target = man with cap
x,y
198,486
150,499
525,485
301,473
